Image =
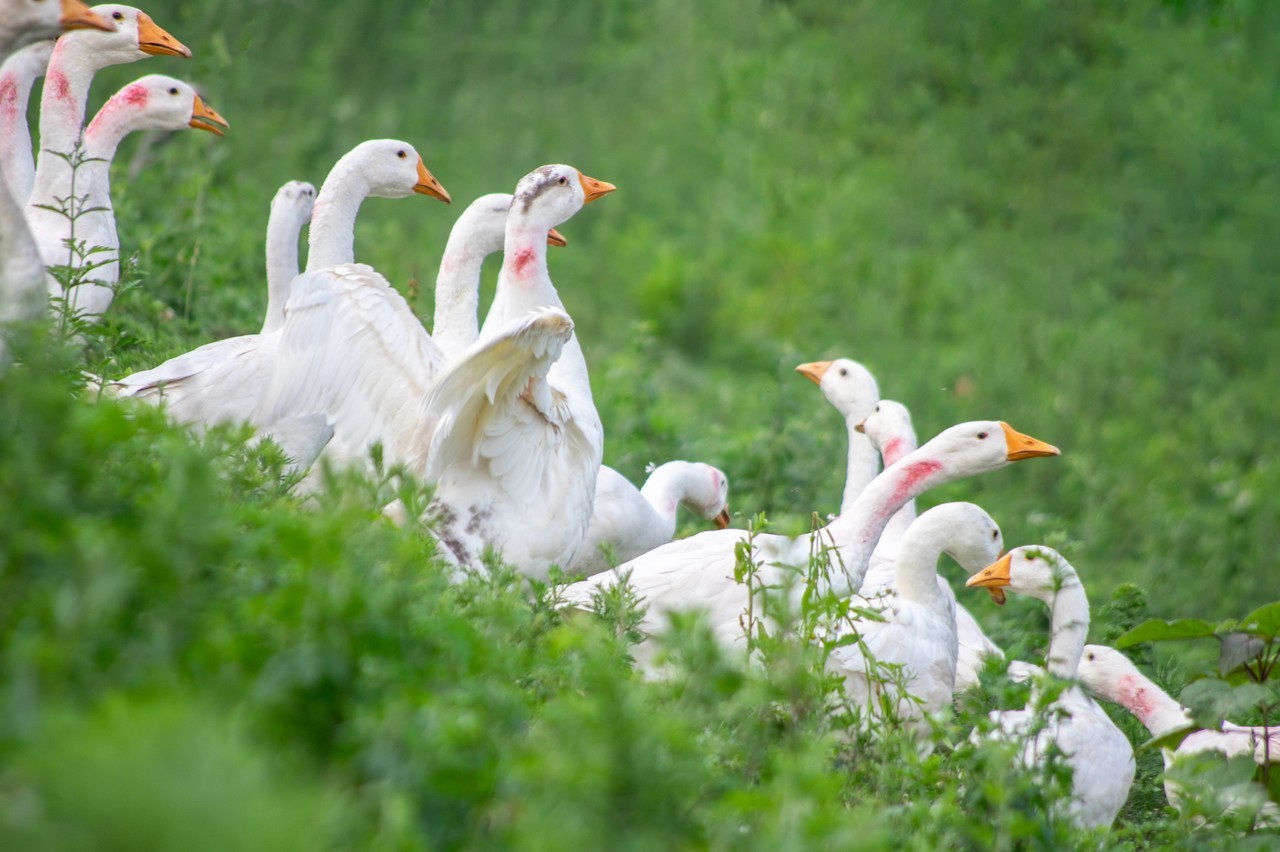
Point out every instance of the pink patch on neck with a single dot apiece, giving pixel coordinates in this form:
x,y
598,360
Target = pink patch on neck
x,y
9,96
135,95
521,262
1133,696
892,451
61,88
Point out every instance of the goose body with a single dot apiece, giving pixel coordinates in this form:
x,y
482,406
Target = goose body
x,y
513,441
183,382
1098,752
632,521
697,573
1111,676
919,630
889,429
22,278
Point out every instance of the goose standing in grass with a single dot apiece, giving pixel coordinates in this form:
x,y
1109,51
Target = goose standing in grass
x,y
919,630
853,391
890,430
631,521
236,387
176,378
698,572
1099,754
513,441
22,288
153,102
18,76
1111,676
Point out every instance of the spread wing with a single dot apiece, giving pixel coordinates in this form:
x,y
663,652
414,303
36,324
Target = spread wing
x,y
167,380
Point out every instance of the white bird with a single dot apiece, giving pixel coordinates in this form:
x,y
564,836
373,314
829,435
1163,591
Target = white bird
x,y
891,433
238,386
179,378
513,441
18,76
351,349
1111,676
22,287
698,572
153,102
1099,754
853,391
919,630
631,521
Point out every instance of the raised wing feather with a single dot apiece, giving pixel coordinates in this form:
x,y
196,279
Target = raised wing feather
x,y
166,380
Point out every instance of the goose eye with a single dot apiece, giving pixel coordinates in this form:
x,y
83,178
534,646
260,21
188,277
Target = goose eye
x,y
119,16
562,180
1089,656
401,154
173,90
982,436
995,534
1031,557
843,371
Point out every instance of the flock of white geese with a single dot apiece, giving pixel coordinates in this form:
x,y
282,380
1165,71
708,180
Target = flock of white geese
x,y
498,416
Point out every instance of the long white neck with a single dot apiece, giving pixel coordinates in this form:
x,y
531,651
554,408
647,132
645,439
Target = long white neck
x,y
23,295
666,487
18,74
332,238
1069,623
456,326
917,562
891,539
1154,707
66,92
856,531
863,464
283,226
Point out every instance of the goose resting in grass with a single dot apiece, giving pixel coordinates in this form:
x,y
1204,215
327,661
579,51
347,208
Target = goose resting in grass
x,y
1111,676
697,573
512,441
1099,754
153,102
890,430
22,278
919,630
632,521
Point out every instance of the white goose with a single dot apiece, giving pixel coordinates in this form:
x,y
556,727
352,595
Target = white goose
x,y
18,76
853,391
1099,754
890,430
632,521
177,378
153,102
239,388
698,572
1111,676
22,288
514,438
919,632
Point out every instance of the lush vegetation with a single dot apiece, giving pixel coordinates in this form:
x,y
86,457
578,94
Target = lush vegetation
x,y
1061,215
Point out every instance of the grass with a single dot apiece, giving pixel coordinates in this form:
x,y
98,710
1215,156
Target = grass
x,y
1058,216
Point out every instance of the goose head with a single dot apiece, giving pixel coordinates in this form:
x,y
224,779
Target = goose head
x,y
978,446
1101,669
889,428
394,169
136,36
973,537
550,195
23,21
296,199
159,102
846,384
1033,570
708,494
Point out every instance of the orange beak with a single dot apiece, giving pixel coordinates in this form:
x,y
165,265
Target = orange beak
x,y
993,578
78,16
154,41
722,520
204,117
1024,446
428,185
555,238
814,370
593,189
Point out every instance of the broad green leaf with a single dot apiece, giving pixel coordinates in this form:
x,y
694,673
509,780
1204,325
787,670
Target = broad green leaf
x,y
1159,630
1238,649
1211,700
1263,621
1171,739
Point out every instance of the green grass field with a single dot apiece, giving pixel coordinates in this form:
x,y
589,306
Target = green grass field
x,y
1060,215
